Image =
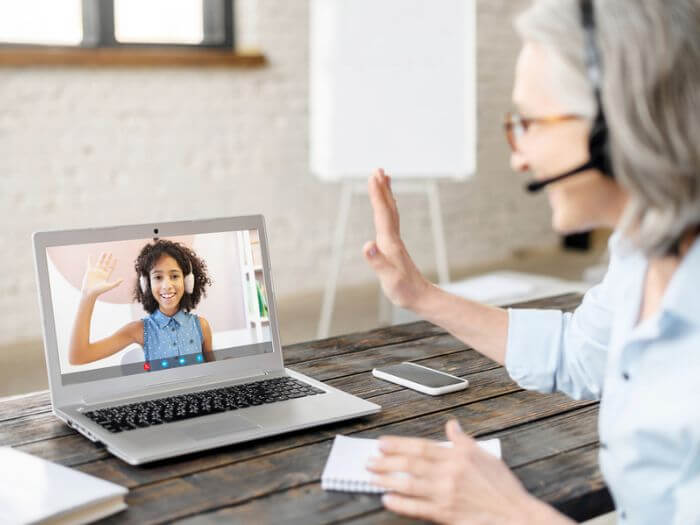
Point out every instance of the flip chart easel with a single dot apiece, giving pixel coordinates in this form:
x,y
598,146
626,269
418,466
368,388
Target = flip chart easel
x,y
392,85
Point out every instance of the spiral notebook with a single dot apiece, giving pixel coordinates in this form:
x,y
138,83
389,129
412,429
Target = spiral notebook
x,y
345,468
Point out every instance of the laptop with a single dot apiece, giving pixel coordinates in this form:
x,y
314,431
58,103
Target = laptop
x,y
162,339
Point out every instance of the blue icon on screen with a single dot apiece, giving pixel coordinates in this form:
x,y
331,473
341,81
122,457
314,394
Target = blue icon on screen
x,y
164,363
182,361
200,358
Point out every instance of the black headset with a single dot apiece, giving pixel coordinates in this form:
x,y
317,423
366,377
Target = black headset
x,y
598,141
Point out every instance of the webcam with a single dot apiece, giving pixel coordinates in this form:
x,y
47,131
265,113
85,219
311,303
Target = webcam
x,y
155,234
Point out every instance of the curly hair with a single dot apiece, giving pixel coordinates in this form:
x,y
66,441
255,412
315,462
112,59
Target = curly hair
x,y
185,258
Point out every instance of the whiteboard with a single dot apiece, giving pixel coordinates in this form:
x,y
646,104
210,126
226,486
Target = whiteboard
x,y
392,85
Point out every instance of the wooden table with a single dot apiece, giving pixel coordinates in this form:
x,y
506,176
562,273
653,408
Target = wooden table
x,y
549,441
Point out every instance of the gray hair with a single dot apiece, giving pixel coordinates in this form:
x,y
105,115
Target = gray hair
x,y
651,97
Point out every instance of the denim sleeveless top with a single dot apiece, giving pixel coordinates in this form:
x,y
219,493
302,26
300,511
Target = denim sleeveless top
x,y
165,337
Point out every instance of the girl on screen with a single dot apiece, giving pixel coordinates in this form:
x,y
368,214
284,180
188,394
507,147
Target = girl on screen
x,y
171,282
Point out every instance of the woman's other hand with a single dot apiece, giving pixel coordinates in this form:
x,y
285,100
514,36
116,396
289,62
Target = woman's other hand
x,y
458,484
400,279
96,279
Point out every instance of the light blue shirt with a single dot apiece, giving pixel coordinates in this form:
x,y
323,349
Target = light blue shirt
x,y
647,376
165,337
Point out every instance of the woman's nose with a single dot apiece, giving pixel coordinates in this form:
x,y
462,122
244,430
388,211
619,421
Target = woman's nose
x,y
518,162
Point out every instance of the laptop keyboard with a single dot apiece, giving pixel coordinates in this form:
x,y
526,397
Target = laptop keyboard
x,y
186,406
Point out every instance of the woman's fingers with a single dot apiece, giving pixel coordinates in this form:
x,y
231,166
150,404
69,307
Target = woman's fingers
x,y
405,485
457,436
417,467
375,257
414,507
385,185
413,447
383,213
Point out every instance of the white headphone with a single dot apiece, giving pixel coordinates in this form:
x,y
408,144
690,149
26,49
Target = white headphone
x,y
189,281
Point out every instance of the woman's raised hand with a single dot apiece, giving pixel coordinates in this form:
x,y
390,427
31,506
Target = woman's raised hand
x,y
96,279
401,280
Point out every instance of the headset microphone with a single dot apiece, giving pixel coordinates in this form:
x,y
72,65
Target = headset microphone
x,y
538,185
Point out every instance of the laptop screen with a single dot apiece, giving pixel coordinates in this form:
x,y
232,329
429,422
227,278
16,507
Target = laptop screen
x,y
146,305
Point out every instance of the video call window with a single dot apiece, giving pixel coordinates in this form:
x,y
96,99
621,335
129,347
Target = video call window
x,y
140,306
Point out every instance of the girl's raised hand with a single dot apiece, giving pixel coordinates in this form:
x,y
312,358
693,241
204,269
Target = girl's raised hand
x,y
96,279
401,280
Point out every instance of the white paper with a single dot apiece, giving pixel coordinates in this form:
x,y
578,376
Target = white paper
x,y
33,489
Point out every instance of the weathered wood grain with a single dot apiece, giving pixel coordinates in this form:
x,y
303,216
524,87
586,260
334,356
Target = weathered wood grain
x,y
331,367
260,475
24,405
332,507
402,405
41,426
548,439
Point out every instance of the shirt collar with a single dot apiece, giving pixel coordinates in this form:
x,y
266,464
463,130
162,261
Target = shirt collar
x,y
681,297
162,320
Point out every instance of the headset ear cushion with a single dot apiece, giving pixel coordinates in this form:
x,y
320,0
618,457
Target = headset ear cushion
x,y
143,282
189,283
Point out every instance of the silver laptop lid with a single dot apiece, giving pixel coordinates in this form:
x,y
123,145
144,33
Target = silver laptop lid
x,y
237,306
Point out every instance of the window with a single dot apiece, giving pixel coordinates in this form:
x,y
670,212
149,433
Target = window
x,y
117,23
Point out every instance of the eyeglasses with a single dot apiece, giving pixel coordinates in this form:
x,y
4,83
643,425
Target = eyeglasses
x,y
515,125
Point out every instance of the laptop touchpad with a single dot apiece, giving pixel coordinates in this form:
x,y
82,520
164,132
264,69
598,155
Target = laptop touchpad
x,y
231,425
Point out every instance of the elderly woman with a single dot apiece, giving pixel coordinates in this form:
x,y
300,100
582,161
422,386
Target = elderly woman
x,y
608,119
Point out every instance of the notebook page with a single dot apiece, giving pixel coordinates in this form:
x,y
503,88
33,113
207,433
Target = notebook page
x,y
345,468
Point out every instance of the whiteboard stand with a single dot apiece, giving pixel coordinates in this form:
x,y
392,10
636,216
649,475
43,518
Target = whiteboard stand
x,y
347,190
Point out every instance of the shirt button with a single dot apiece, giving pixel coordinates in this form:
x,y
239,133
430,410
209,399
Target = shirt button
x,y
174,343
191,341
603,445
625,376
623,515
173,329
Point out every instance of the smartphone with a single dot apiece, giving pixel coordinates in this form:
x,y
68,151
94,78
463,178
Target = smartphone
x,y
421,378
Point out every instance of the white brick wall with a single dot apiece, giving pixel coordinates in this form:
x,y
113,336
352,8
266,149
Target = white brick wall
x,y
82,147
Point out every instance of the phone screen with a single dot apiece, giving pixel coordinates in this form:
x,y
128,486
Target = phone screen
x,y
418,374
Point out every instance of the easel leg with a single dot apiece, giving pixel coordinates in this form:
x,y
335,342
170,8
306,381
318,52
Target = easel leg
x,y
324,322
386,309
438,232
